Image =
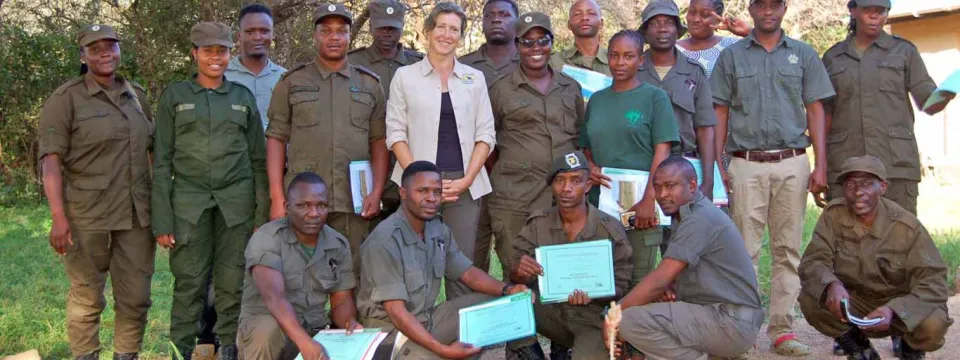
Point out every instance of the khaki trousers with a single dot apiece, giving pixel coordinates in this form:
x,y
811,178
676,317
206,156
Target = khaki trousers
x,y
681,331
773,196
928,336
127,255
575,327
645,244
484,241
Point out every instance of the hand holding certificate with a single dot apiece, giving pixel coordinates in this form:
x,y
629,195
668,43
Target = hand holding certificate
x,y
360,345
585,266
498,321
626,189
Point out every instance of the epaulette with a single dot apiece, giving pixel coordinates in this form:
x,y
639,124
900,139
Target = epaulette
x,y
137,85
897,213
897,37
293,70
538,214
613,226
359,49
364,70
63,88
272,227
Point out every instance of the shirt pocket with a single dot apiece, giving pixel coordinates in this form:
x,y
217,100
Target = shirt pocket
x,y
748,89
416,284
303,106
184,120
903,147
83,194
570,113
92,125
791,82
842,79
327,275
891,75
293,283
892,269
361,109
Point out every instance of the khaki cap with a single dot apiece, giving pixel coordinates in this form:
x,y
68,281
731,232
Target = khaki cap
x,y
867,163
662,7
387,13
330,9
211,33
530,20
864,3
92,33
568,162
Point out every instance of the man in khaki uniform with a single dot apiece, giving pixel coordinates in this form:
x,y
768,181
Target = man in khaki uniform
x,y
95,136
702,299
874,74
330,113
585,22
577,324
294,265
879,257
538,112
404,261
384,56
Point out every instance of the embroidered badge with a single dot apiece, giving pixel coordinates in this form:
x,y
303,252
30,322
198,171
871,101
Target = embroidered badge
x,y
95,28
332,8
528,19
390,11
572,160
239,108
468,79
184,107
793,59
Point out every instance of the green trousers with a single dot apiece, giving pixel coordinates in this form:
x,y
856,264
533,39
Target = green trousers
x,y
209,245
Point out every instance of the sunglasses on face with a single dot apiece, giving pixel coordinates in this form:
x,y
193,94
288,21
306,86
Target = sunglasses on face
x,y
541,42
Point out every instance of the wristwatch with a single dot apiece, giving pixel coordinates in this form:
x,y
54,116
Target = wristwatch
x,y
506,287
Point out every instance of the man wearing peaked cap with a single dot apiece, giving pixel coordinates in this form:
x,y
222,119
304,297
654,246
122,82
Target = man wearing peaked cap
x,y
576,324
209,137
873,253
324,115
384,56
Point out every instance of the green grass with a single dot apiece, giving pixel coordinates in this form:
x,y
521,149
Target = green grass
x,y
33,287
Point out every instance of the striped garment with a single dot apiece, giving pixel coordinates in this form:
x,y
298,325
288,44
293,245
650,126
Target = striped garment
x,y
708,57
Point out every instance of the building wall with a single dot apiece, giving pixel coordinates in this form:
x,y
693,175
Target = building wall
x,y
938,39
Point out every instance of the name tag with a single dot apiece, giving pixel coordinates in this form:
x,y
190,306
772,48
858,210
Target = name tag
x,y
468,79
184,107
240,108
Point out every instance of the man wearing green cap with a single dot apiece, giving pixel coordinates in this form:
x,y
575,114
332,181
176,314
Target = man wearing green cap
x,y
330,113
95,135
538,112
878,257
576,324
209,189
686,82
875,74
384,56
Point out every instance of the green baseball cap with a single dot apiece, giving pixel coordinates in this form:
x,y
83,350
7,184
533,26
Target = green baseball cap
x,y
662,7
867,164
211,33
531,20
92,33
330,9
386,13
572,161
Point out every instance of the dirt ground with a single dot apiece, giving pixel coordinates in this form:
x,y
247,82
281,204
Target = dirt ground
x,y
823,346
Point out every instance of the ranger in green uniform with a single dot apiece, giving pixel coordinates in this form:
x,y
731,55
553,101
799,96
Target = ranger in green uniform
x,y
873,74
404,261
577,324
330,113
384,57
585,21
685,81
210,187
538,112
95,136
294,266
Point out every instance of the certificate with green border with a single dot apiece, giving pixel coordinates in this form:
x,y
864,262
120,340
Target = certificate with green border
x,y
498,321
586,266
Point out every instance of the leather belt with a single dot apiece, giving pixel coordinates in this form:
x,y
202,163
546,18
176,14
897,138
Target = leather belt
x,y
769,156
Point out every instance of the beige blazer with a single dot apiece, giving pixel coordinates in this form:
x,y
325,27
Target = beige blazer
x,y
413,115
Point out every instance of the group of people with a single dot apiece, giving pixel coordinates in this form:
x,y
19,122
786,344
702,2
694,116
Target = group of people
x,y
243,173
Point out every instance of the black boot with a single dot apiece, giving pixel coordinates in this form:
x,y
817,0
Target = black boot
x,y
895,342
909,353
227,352
559,352
855,343
90,356
837,350
531,352
126,356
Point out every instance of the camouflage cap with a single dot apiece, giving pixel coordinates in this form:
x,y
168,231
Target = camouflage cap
x,y
662,7
867,163
386,13
211,33
92,33
530,20
331,9
568,162
881,3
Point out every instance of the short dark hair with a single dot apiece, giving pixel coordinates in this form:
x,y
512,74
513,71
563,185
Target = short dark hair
x,y
254,9
306,178
684,165
415,168
630,34
513,5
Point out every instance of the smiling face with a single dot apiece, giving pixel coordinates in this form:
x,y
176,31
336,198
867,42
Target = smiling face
x,y
768,15
421,195
499,22
585,19
332,37
624,58
307,208
211,60
870,19
862,192
445,36
699,19
661,33
535,47
102,57
256,34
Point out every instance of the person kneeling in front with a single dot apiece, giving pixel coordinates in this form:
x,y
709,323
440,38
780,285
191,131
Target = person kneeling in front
x,y
709,303
294,265
404,260
577,324
873,253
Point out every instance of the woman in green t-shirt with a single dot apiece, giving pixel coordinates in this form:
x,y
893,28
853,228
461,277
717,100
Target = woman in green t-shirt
x,y
630,125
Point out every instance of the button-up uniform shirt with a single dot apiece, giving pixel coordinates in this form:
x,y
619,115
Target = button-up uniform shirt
x,y
574,57
261,84
480,61
370,58
688,87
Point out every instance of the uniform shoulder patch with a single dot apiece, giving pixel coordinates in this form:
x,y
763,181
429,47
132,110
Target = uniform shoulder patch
x,y
364,70
137,85
70,83
292,70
